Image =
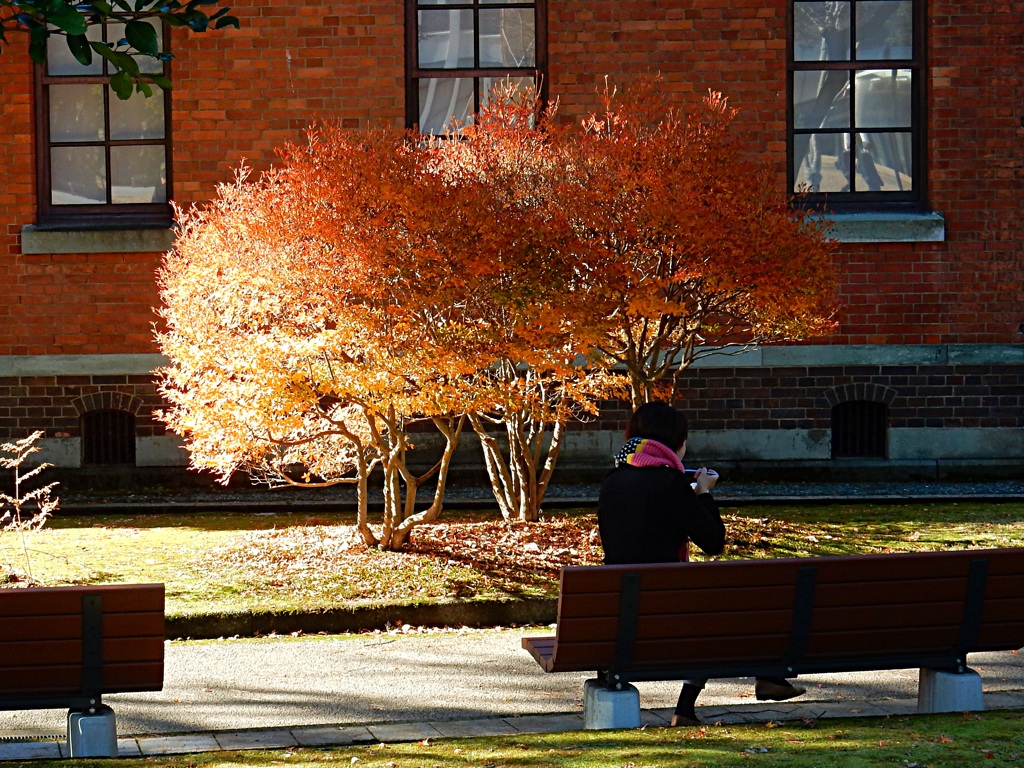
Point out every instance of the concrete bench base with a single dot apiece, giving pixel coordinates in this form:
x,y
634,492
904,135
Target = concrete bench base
x,y
604,708
940,691
92,733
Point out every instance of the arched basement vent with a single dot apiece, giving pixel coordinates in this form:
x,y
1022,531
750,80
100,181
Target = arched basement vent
x,y
108,437
859,429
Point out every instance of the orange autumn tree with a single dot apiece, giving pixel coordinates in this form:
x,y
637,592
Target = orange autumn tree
x,y
538,372
281,363
374,282
693,245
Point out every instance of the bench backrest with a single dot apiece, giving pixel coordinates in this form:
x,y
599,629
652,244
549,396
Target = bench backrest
x,y
789,616
66,646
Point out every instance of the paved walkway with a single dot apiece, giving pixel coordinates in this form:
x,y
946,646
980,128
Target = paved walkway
x,y
349,689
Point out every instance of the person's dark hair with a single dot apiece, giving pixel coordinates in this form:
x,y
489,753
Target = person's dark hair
x,y
661,422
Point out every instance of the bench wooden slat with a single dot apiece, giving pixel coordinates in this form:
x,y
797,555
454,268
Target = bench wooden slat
x,y
1002,586
67,627
583,579
890,593
541,648
117,598
750,624
119,677
666,602
657,602
62,652
595,656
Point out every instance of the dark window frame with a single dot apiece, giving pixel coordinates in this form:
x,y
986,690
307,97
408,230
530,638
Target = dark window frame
x,y
106,215
913,200
414,73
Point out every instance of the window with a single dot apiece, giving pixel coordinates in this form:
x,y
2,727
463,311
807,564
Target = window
x,y
101,160
859,429
856,72
456,50
108,437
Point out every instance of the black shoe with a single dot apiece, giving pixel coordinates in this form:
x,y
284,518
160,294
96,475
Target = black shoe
x,y
766,690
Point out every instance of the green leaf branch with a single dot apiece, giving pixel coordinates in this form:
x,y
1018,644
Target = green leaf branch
x,y
72,19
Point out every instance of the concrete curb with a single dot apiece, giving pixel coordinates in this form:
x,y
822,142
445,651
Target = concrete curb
x,y
482,613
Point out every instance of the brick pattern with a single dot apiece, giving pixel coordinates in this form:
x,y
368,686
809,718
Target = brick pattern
x,y
55,404
107,400
239,95
942,396
868,391
802,398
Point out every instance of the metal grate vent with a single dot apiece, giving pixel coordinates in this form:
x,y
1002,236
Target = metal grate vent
x,y
859,429
108,437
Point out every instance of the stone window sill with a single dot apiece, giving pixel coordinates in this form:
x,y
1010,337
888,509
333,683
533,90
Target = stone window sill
x,y
35,240
887,227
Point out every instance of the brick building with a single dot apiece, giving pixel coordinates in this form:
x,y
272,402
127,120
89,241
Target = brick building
x,y
906,115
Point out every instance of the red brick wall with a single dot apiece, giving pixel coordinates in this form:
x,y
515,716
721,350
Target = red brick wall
x,y
17,181
239,94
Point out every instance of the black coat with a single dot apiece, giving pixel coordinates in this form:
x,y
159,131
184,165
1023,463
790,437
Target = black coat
x,y
646,513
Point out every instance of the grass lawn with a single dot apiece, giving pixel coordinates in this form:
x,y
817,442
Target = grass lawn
x,y
249,562
244,562
990,739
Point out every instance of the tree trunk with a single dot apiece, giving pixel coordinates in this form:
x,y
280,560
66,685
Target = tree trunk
x,y
517,483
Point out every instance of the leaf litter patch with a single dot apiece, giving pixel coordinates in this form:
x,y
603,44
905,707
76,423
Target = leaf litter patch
x,y
447,560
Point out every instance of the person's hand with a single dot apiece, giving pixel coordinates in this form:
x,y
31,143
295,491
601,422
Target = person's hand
x,y
705,479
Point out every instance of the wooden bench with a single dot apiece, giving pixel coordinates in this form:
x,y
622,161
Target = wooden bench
x,y
786,617
64,647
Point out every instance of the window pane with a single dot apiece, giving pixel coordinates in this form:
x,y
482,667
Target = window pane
x,y
884,162
138,174
487,85
77,175
821,99
443,99
821,31
882,99
138,117
821,162
147,64
446,39
885,29
507,38
76,113
59,60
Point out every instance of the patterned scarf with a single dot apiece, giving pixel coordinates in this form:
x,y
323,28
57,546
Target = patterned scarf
x,y
640,452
